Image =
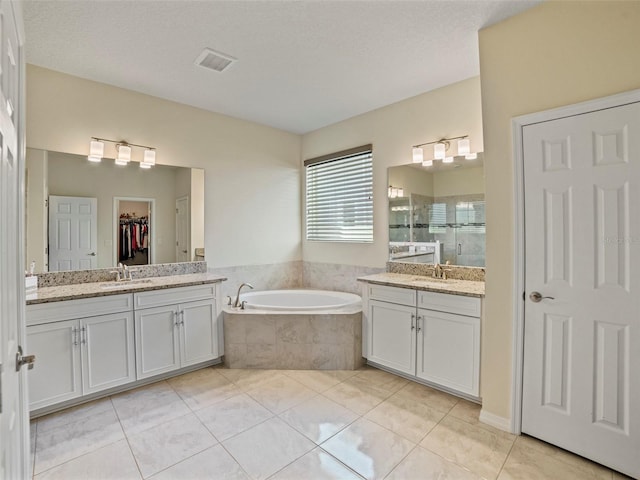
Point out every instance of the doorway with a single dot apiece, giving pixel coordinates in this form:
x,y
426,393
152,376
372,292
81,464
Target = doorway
x,y
577,329
133,227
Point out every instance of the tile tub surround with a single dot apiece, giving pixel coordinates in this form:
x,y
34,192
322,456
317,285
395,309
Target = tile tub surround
x,y
94,289
467,288
55,279
455,272
275,276
334,276
318,341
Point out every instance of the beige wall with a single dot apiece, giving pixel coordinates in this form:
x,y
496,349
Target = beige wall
x,y
252,194
412,180
70,175
556,54
461,181
446,112
36,211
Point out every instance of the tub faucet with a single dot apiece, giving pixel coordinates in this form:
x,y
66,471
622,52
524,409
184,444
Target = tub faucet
x,y
237,302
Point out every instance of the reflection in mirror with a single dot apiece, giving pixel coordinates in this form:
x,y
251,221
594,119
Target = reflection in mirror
x,y
436,214
165,203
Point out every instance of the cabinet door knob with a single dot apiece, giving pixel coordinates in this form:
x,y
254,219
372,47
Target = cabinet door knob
x,y
413,318
418,322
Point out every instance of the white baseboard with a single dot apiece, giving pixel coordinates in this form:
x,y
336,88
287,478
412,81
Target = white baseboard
x,y
495,421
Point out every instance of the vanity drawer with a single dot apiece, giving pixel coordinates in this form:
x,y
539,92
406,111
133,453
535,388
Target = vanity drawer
x,y
169,296
85,307
444,302
401,296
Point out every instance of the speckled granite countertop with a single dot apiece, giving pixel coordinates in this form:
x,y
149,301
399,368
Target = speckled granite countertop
x,y
467,288
97,289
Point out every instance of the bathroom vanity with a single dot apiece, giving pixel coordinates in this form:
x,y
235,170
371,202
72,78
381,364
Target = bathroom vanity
x,y
425,329
93,339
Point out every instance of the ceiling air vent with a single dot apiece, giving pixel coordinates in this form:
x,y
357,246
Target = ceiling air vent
x,y
214,60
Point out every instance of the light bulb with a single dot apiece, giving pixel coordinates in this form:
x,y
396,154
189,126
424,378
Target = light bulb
x,y
439,150
418,155
149,157
124,153
464,147
96,151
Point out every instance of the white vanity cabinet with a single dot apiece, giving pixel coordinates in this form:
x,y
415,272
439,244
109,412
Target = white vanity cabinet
x,y
81,347
175,328
431,336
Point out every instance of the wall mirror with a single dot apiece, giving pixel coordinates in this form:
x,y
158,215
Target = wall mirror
x,y
82,215
436,214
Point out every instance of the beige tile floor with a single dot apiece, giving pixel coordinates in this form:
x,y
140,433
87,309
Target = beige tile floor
x,y
224,424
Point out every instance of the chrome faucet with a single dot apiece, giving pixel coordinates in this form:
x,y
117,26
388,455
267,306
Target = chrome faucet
x,y
237,302
437,271
123,273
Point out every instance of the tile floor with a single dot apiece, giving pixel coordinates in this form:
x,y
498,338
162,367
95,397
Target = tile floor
x,y
221,424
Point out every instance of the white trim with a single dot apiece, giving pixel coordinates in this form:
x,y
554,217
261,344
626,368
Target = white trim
x,y
517,126
116,227
500,423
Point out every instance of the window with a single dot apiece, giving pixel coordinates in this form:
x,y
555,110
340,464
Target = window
x,y
340,196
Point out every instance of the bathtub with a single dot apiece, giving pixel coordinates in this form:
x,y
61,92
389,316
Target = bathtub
x,y
294,330
300,300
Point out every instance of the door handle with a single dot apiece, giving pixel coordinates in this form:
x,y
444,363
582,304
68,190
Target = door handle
x,y
21,360
413,326
185,251
459,249
418,323
537,297
92,254
83,331
74,335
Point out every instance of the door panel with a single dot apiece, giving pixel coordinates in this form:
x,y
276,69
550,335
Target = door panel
x,y
581,384
157,347
14,420
73,233
392,336
56,377
108,357
199,333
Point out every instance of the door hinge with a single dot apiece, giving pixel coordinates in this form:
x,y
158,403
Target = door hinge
x,y
524,296
46,203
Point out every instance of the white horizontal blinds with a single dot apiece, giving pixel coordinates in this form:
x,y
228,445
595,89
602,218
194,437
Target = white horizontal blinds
x,y
340,196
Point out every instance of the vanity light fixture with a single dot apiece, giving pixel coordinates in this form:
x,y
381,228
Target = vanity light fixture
x,y
440,150
96,152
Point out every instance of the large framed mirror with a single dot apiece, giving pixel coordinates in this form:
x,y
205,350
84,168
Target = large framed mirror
x,y
124,213
437,213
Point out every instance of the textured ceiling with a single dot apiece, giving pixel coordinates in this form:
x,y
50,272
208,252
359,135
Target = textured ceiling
x,y
301,64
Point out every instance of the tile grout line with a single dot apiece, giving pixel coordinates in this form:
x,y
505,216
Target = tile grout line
x,y
126,437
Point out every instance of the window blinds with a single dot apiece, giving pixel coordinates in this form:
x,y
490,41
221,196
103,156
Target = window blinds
x,y
339,194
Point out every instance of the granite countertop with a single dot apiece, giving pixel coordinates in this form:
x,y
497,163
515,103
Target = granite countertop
x,y
96,289
467,288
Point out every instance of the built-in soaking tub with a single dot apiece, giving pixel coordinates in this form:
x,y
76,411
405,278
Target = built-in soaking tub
x,y
294,329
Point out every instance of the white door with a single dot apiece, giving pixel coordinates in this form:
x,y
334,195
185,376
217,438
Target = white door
x,y
392,336
182,230
108,357
198,332
157,340
57,377
14,421
581,384
449,350
73,233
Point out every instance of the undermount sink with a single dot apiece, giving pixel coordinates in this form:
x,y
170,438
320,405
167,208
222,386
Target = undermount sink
x,y
429,279
124,283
